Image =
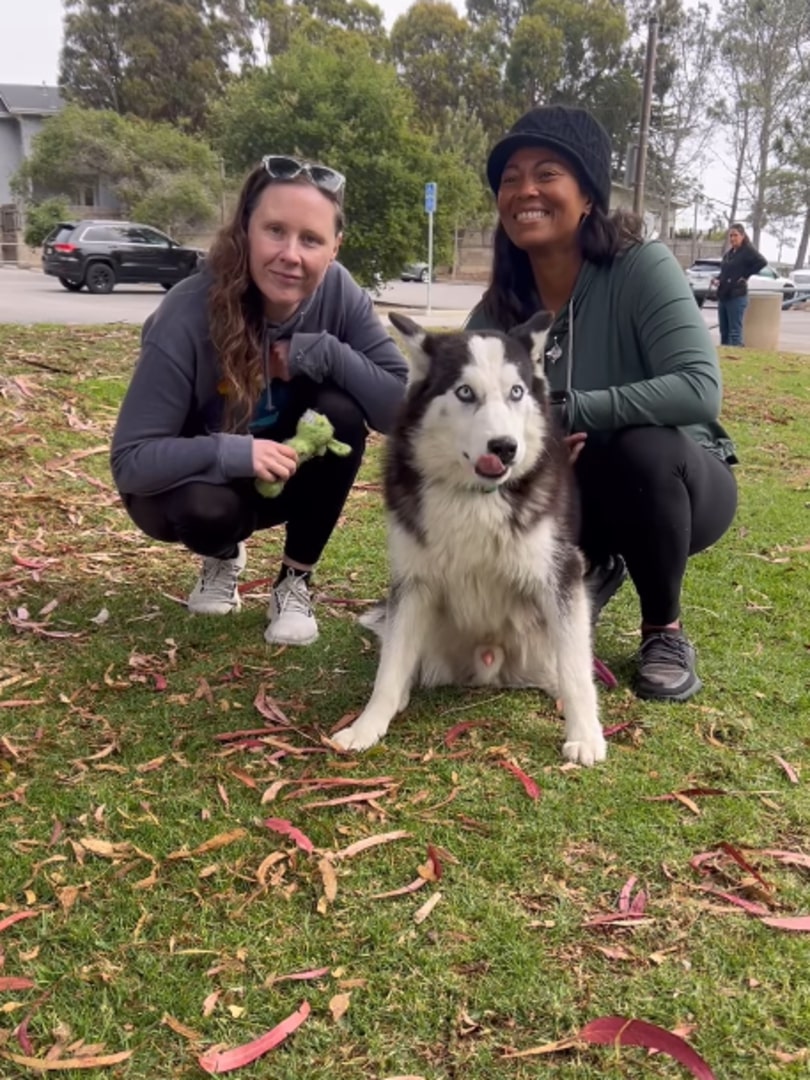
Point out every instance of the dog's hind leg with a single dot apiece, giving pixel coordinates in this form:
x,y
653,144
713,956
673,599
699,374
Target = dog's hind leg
x,y
402,645
569,632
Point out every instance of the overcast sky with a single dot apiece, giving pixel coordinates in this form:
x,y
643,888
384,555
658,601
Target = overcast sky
x,y
31,40
31,37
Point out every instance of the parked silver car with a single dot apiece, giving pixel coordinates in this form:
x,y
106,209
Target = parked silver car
x,y
417,271
703,272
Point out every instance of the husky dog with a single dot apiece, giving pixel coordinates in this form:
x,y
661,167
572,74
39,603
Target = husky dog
x,y
486,582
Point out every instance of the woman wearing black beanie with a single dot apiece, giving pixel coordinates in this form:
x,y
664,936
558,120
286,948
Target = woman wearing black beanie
x,y
632,370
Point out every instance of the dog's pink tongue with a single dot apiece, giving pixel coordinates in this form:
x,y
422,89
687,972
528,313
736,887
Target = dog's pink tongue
x,y
490,465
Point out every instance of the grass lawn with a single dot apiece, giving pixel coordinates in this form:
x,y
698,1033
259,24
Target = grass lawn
x,y
166,913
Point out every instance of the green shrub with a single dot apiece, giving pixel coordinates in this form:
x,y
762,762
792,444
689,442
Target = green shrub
x,y
40,218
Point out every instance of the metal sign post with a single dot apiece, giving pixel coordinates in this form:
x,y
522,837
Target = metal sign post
x,y
430,209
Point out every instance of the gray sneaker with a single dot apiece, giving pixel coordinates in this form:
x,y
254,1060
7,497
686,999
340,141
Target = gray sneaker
x,y
291,620
666,667
216,591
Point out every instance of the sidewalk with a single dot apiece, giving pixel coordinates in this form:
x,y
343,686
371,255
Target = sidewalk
x,y
439,318
794,336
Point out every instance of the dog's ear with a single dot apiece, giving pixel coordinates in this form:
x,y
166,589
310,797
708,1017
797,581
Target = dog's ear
x,y
533,334
414,338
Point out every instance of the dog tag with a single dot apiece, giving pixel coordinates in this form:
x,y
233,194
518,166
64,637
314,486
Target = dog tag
x,y
555,352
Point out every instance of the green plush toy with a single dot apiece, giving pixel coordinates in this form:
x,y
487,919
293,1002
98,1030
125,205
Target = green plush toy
x,y
314,435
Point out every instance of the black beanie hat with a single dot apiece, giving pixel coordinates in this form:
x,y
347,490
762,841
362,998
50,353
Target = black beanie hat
x,y
574,132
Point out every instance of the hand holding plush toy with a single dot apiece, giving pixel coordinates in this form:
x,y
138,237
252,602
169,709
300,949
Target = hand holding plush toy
x,y
314,435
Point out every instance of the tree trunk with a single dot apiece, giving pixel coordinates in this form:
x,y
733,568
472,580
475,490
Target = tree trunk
x,y
666,205
801,252
735,198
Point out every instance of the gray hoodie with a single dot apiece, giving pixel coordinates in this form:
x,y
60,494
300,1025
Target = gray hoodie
x,y
167,432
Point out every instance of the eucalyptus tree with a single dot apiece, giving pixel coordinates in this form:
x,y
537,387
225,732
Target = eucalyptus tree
x,y
765,47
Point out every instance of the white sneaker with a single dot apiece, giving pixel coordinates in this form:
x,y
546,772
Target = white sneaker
x,y
215,592
290,613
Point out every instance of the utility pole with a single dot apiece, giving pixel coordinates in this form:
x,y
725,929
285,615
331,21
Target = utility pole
x,y
646,108
221,190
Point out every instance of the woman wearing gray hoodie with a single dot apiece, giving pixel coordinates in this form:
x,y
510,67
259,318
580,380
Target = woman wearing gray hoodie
x,y
229,363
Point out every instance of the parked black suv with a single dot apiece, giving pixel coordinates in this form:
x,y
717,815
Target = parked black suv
x,y
103,254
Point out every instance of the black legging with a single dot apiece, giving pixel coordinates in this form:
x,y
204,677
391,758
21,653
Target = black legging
x,y
653,495
211,519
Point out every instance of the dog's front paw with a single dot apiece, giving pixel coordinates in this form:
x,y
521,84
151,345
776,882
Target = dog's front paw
x,y
360,735
586,751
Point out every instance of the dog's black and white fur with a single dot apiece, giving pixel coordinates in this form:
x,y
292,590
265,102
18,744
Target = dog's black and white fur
x,y
486,582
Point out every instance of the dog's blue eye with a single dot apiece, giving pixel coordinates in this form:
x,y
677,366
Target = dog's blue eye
x,y
465,393
517,392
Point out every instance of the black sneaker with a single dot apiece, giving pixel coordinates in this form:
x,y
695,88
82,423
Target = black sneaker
x,y
603,581
666,667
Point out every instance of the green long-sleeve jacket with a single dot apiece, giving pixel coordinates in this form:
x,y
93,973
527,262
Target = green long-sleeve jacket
x,y
633,349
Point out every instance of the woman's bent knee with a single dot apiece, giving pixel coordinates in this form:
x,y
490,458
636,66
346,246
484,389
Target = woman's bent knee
x,y
345,415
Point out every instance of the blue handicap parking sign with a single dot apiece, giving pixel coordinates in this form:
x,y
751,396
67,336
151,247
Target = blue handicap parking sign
x,y
430,197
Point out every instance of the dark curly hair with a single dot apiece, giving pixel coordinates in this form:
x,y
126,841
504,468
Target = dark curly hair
x,y
510,299
235,305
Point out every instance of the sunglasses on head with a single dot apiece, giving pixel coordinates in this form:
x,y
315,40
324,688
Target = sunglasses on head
x,y
279,167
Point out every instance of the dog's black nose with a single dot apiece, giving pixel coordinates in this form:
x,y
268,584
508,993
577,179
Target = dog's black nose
x,y
505,448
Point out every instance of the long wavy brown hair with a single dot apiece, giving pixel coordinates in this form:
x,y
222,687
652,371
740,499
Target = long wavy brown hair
x,y
235,305
510,297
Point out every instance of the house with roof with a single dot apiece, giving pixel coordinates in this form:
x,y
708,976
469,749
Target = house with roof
x,y
23,110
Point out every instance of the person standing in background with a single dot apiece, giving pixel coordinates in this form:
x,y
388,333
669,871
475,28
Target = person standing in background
x,y
740,261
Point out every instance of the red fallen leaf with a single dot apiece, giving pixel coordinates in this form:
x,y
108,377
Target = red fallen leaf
x,y
604,674
404,890
344,800
621,1031
18,916
685,793
789,922
437,863
626,893
286,828
265,705
676,796
23,1037
229,736
790,772
12,982
750,906
221,1061
160,680
318,783
617,918
300,976
697,861
256,583
639,903
614,729
741,860
457,730
530,786
29,564
788,858
244,778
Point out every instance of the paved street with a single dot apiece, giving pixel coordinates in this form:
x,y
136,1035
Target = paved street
x,y
27,296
